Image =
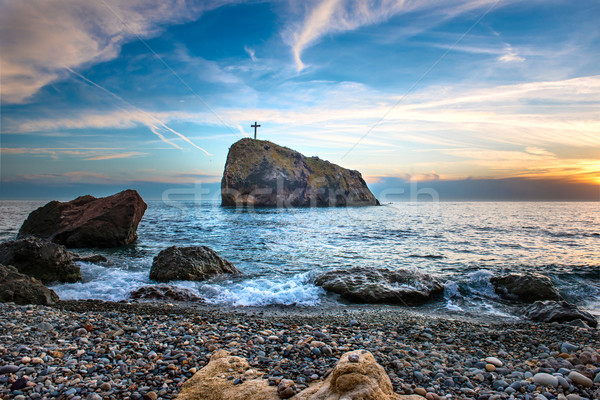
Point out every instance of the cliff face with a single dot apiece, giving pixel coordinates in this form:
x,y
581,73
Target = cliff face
x,y
263,174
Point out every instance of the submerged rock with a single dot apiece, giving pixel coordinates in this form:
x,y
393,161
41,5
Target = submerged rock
x,y
88,221
553,311
228,377
381,285
41,259
22,289
525,287
196,263
164,292
264,174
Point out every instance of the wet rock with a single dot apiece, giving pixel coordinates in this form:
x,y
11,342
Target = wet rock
x,y
263,174
164,292
94,258
553,311
525,287
41,259
380,285
88,221
196,263
23,289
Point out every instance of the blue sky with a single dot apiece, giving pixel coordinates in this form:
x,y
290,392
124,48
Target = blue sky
x,y
128,93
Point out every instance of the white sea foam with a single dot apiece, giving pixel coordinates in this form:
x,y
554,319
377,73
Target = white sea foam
x,y
101,283
294,290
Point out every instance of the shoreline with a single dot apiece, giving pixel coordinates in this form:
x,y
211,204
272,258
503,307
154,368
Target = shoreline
x,y
148,349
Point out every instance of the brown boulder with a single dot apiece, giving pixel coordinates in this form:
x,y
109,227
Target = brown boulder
x,y
381,285
88,221
41,259
358,377
525,287
22,289
195,263
164,292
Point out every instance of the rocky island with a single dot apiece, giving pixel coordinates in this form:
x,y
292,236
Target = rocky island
x,y
263,174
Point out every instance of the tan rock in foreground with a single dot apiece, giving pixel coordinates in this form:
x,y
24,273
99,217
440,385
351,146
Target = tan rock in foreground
x,y
363,379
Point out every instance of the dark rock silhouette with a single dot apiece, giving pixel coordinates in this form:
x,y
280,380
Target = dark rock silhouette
x,y
88,221
263,174
196,263
525,287
41,259
23,289
381,285
164,292
558,311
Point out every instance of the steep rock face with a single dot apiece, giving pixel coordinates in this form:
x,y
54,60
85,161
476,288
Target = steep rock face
x,y
195,263
263,174
558,311
88,221
41,259
381,285
525,287
22,289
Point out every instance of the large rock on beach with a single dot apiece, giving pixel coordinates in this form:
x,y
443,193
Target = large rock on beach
x,y
41,259
381,285
195,263
263,174
553,311
88,221
164,292
525,287
356,376
23,289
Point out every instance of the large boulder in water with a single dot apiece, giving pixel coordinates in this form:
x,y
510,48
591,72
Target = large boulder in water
x,y
262,174
88,221
23,289
525,287
195,263
553,311
41,259
381,285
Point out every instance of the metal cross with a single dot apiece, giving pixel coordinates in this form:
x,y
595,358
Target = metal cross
x,y
255,126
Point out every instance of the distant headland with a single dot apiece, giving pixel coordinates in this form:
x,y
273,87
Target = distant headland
x,y
263,174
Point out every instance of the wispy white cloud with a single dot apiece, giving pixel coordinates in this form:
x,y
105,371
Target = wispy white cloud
x,y
323,17
41,37
91,154
251,52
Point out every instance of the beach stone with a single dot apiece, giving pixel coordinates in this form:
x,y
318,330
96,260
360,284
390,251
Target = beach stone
x,y
93,396
553,311
494,361
574,396
164,292
567,347
381,285
196,263
88,221
41,259
23,289
545,379
8,369
580,379
490,367
525,287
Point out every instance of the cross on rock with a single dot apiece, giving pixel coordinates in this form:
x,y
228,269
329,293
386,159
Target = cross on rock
x,y
255,126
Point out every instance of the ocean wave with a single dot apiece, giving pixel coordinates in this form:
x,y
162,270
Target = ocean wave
x,y
295,290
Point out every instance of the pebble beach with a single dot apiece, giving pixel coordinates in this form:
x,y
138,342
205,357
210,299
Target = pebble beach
x,y
121,350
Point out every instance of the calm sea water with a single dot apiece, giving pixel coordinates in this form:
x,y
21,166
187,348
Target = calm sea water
x,y
462,244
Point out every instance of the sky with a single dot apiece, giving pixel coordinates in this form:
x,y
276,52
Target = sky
x,y
474,99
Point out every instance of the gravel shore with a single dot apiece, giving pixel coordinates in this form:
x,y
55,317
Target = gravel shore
x,y
102,350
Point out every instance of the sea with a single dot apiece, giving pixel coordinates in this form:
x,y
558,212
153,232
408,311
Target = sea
x,y
280,251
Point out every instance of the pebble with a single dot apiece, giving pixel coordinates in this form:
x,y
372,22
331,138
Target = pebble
x,y
494,361
579,379
8,369
568,348
545,379
490,367
353,358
